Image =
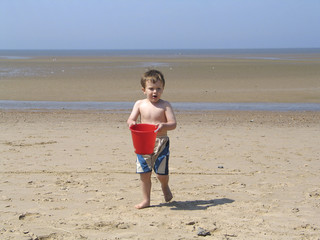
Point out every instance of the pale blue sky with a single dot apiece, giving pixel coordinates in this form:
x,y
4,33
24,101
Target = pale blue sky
x,y
158,24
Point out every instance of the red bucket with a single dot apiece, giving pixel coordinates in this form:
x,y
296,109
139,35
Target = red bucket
x,y
143,137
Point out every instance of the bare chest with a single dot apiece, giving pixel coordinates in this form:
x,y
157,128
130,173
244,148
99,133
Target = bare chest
x,y
153,114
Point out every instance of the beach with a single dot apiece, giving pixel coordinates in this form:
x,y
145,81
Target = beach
x,y
70,174
238,175
189,79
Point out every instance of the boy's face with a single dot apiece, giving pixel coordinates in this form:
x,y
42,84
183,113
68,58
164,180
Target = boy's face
x,y
153,91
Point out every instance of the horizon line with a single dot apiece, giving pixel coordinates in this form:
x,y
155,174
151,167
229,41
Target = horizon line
x,y
144,49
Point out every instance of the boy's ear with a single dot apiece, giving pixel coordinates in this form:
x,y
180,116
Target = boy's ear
x,y
143,90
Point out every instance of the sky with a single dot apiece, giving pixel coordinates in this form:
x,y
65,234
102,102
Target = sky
x,y
159,24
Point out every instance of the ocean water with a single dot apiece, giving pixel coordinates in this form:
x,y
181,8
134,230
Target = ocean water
x,y
180,106
271,54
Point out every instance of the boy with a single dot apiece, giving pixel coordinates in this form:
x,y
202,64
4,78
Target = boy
x,y
154,110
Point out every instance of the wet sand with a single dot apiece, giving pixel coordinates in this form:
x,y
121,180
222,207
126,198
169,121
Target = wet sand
x,y
188,79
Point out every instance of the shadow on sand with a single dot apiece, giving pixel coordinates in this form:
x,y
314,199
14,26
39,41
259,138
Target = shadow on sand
x,y
195,205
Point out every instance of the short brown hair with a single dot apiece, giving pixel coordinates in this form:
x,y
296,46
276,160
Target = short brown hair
x,y
153,76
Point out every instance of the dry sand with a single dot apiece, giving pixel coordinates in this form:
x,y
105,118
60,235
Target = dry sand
x,y
238,175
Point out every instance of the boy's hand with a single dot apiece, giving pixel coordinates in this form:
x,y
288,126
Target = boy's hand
x,y
131,123
159,126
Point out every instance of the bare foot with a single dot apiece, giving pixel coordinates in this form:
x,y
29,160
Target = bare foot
x,y
167,195
143,204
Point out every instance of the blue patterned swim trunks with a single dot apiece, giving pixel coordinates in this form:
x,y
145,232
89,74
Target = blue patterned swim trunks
x,y
158,160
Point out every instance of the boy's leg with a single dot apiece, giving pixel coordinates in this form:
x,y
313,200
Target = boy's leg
x,y
164,180
146,190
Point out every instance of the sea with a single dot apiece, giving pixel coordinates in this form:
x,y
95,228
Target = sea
x,y
179,106
268,53
301,54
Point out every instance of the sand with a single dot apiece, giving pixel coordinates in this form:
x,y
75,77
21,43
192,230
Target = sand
x,y
188,79
237,175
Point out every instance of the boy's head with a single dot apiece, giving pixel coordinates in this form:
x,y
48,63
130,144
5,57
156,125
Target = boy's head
x,y
152,76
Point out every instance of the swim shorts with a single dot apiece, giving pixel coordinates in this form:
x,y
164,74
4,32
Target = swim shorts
x,y
158,160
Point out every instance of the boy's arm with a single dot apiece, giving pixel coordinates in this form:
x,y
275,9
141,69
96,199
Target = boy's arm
x,y
134,114
171,123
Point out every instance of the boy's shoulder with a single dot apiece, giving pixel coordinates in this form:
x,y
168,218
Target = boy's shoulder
x,y
141,101
164,103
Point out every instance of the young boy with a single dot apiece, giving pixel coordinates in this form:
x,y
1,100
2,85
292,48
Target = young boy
x,y
154,110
